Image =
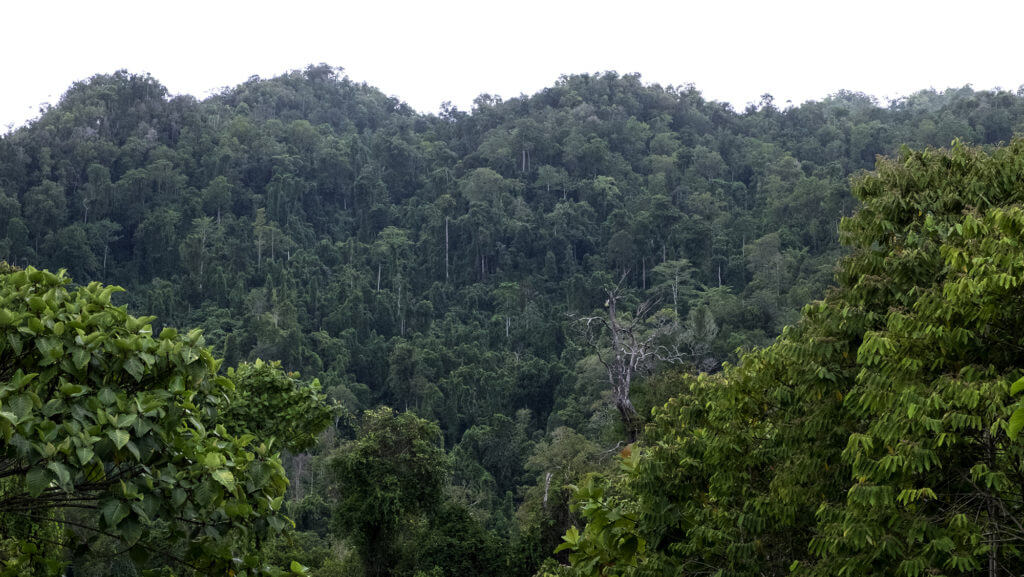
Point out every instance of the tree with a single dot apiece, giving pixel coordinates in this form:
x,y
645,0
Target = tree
x,y
299,410
45,207
394,471
635,343
110,432
937,480
675,277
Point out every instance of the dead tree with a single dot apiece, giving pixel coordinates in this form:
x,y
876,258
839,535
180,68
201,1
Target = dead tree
x,y
635,344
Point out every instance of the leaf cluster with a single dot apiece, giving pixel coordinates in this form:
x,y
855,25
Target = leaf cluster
x,y
108,431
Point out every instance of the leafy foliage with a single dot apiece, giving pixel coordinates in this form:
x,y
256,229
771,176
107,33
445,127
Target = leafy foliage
x,y
271,404
873,438
609,539
393,471
99,415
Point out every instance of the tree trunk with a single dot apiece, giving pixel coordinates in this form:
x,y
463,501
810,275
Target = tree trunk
x,y
547,486
620,374
627,412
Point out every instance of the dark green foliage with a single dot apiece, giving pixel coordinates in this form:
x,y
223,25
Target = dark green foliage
x,y
872,438
453,544
392,473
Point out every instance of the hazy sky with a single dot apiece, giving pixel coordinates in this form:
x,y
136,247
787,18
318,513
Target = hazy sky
x,y
426,52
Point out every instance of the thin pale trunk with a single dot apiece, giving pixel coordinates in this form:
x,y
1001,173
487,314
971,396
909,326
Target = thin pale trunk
x,y
401,313
446,249
620,374
627,412
547,487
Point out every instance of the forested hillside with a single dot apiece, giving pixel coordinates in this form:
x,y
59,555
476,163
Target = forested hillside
x,y
444,265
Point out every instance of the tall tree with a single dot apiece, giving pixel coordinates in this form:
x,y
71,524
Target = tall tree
x,y
394,471
629,346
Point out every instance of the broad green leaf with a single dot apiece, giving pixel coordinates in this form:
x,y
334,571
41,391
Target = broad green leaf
x,y
37,480
119,436
203,494
114,511
71,389
178,496
212,460
20,405
107,396
134,368
130,530
85,455
16,343
1016,423
1017,386
224,477
81,358
63,475
134,450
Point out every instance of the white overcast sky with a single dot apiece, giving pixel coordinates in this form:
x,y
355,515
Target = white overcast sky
x,y
426,52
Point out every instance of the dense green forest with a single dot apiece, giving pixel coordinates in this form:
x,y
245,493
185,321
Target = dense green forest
x,y
521,284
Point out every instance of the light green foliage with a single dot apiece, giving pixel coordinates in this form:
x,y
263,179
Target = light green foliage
x,y
1016,422
108,433
272,404
936,479
609,543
